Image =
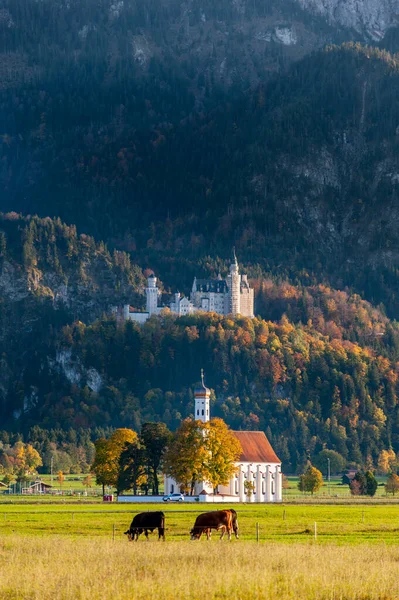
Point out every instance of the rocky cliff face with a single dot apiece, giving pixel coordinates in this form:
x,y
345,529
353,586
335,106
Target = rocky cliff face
x,y
370,18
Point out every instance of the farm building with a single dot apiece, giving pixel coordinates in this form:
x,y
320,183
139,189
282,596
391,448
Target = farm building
x,y
258,463
37,487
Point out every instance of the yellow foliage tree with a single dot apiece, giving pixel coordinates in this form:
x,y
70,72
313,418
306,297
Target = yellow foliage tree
x,y
310,481
106,460
386,461
60,478
184,459
202,452
222,451
26,461
392,484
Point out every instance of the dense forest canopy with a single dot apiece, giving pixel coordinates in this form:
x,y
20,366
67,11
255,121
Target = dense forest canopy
x,y
291,172
147,136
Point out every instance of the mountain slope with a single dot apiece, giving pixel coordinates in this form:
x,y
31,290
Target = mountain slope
x,y
370,18
304,170
317,367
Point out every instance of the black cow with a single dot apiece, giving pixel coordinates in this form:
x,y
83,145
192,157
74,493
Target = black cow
x,y
221,520
146,521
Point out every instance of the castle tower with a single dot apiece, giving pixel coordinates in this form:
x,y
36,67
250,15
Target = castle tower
x,y
152,294
234,278
202,397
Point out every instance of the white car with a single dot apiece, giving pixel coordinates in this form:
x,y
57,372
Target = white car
x,y
173,498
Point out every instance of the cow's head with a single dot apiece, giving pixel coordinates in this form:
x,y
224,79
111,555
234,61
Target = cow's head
x,y
195,533
129,534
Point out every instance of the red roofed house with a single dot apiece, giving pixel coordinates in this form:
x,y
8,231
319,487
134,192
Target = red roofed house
x,y
258,463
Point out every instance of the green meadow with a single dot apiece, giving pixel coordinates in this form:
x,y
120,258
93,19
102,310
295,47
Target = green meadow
x,y
340,524
73,487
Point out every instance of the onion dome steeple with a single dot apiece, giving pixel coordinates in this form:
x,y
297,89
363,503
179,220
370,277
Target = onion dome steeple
x,y
202,396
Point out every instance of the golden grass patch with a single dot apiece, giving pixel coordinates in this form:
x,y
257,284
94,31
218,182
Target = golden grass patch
x,y
60,567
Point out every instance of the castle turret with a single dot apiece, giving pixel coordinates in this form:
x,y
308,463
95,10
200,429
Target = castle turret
x,y
234,287
202,397
152,294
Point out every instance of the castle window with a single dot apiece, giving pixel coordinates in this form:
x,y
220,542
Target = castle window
x,y
197,411
202,412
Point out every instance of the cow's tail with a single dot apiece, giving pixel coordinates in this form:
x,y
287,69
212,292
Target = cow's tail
x,y
234,522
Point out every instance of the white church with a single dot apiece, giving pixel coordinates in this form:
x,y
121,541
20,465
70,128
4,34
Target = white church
x,y
258,464
232,295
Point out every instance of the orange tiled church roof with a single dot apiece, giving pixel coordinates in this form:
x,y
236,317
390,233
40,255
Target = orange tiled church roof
x,y
255,447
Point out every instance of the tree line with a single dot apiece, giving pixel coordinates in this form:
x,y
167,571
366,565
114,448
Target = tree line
x,y
195,452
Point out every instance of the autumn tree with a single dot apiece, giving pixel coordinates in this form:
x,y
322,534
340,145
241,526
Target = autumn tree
x,y
132,468
392,484
386,461
155,438
310,481
185,457
87,481
26,459
101,465
60,478
222,450
249,488
202,452
106,460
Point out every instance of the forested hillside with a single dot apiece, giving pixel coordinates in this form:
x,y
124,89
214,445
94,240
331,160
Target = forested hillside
x,y
291,172
304,388
317,367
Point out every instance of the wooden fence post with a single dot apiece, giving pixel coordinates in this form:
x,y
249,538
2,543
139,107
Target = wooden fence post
x,y
257,532
315,531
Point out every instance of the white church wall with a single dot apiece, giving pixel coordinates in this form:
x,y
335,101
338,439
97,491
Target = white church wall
x,y
218,499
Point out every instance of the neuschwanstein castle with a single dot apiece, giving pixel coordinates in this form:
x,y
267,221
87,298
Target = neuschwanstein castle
x,y
223,296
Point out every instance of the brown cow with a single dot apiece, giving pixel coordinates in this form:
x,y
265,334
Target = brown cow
x,y
221,520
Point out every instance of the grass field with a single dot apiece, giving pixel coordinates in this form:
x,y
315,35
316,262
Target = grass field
x,y
73,487
343,524
49,568
80,552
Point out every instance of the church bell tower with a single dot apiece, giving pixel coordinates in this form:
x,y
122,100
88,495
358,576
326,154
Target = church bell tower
x,y
202,397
